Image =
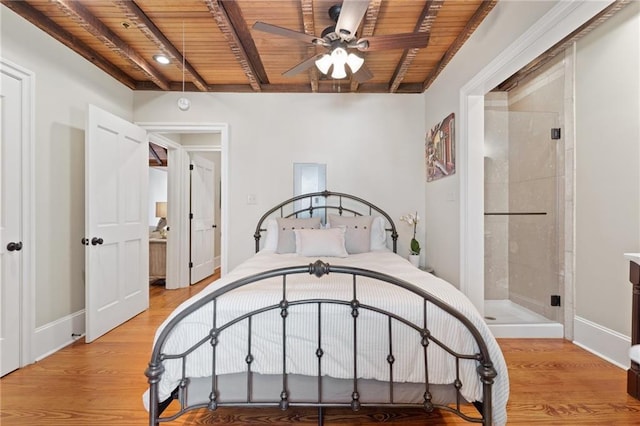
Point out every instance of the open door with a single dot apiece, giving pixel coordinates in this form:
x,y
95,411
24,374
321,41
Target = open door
x,y
11,236
116,228
202,218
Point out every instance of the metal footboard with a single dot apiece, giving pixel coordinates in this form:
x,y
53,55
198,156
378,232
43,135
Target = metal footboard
x,y
485,369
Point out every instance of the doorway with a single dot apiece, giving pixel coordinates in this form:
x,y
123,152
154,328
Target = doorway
x,y
193,138
524,216
561,20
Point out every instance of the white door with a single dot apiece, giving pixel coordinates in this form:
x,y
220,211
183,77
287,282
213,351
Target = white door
x,y
116,222
10,223
202,218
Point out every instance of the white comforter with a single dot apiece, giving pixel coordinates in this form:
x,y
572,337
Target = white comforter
x,y
337,341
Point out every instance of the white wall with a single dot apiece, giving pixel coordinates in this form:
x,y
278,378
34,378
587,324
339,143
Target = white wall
x,y
373,146
65,84
607,82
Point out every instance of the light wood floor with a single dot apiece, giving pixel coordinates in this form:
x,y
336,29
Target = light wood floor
x,y
553,382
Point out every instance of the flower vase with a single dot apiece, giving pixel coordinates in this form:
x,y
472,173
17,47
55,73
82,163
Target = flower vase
x,y
415,260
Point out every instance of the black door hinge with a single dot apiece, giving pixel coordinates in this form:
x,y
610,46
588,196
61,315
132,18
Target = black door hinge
x,y
190,264
190,215
555,300
555,133
190,166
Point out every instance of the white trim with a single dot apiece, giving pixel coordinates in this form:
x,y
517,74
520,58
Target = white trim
x,y
560,21
27,296
472,200
163,141
202,148
223,129
528,331
602,341
57,334
160,127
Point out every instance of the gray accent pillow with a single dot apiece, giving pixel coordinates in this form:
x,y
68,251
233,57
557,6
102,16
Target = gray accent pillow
x,y
358,235
286,237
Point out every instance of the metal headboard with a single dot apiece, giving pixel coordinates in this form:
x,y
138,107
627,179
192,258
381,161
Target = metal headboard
x,y
339,207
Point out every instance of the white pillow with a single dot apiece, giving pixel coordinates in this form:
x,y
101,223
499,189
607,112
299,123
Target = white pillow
x,y
358,235
378,234
271,239
321,242
286,226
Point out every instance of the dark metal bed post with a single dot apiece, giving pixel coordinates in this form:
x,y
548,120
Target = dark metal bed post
x,y
284,313
487,373
154,373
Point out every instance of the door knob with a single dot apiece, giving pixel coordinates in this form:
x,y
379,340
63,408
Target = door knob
x,y
95,241
12,246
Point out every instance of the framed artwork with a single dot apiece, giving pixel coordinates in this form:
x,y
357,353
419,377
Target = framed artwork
x,y
440,150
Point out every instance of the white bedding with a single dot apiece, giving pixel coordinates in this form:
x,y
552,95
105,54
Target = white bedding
x,y
337,341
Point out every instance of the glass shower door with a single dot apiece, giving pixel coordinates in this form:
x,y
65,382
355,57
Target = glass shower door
x,y
524,210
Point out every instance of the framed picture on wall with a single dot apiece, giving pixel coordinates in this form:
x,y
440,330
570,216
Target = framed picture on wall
x,y
440,150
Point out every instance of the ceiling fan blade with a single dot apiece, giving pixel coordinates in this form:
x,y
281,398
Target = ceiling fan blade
x,y
285,32
392,41
302,66
351,14
363,74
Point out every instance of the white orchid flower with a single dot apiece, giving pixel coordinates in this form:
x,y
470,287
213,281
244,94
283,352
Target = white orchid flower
x,y
413,219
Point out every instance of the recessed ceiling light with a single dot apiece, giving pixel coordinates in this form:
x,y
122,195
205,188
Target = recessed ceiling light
x,y
161,59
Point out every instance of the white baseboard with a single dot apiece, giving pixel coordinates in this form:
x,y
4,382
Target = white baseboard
x,y
216,262
55,335
601,341
528,331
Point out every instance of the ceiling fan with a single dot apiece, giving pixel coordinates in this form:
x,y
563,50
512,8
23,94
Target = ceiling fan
x,y
341,39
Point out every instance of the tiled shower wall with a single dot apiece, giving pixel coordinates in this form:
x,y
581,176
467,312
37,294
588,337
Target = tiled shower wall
x,y
525,173
496,196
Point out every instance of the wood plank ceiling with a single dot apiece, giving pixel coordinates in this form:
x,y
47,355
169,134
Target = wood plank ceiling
x,y
212,46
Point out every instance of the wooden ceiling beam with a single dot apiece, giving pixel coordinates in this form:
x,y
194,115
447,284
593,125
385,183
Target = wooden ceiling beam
x,y
368,27
424,24
154,154
477,18
230,21
134,14
310,29
43,22
79,14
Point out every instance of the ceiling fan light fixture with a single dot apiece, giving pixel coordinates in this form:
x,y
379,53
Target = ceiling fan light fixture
x,y
339,71
355,62
339,58
324,63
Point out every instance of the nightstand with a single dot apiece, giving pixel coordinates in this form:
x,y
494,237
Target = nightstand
x,y
157,261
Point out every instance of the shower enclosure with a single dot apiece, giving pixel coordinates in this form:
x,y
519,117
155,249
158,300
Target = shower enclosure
x,y
524,223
